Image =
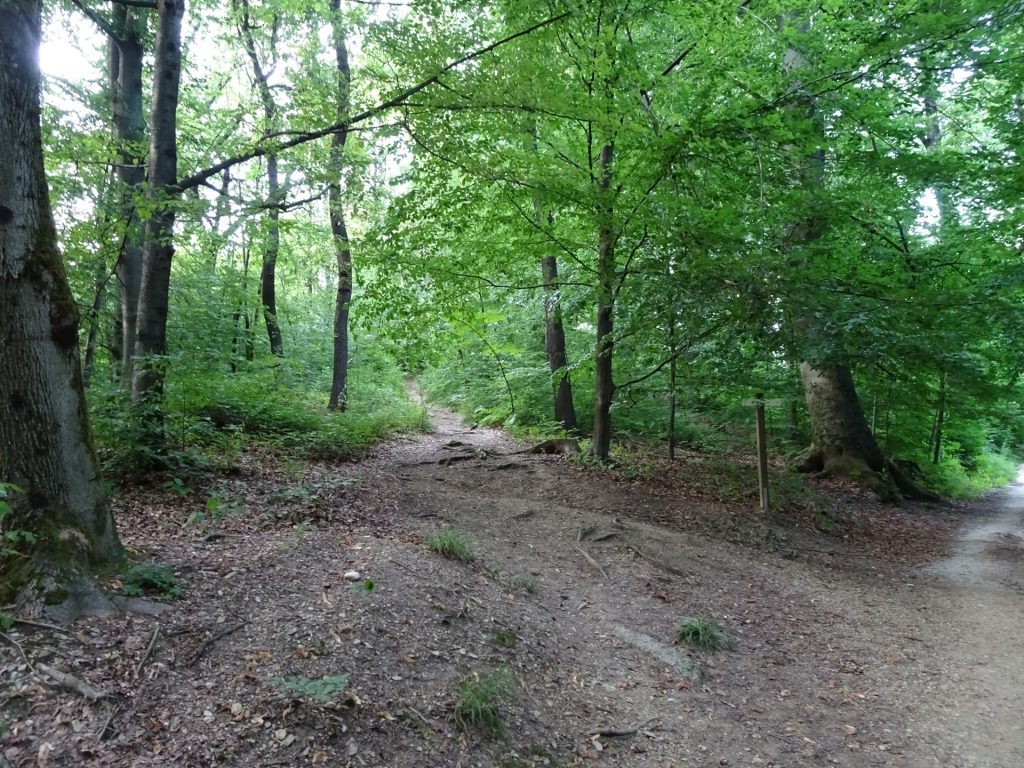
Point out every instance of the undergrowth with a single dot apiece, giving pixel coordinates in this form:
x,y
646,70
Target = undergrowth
x,y
210,417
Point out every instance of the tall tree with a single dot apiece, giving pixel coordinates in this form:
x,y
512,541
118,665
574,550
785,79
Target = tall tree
x,y
45,443
268,274
342,249
151,341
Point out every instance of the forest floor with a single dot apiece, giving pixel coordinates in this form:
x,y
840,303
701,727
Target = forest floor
x,y
890,640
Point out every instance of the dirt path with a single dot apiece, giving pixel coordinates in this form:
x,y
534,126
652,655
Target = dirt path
x,y
580,580
978,704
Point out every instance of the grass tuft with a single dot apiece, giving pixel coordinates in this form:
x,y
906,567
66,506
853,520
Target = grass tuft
x,y
451,544
706,635
477,705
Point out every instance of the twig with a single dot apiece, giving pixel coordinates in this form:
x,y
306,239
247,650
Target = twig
x,y
42,625
205,646
611,733
420,716
106,725
72,682
604,536
656,562
596,565
149,650
21,650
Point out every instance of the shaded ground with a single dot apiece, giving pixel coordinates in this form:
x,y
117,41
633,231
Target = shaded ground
x,y
887,642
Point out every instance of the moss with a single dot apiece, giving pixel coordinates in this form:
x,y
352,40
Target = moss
x,y
55,596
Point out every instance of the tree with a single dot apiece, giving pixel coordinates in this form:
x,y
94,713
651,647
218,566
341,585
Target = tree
x,y
45,442
268,274
151,340
342,249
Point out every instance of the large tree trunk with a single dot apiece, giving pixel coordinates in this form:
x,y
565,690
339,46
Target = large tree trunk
x,y
125,80
604,384
151,339
841,440
343,254
45,445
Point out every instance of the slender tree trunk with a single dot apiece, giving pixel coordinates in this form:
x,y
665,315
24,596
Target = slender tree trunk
x,y
343,255
125,74
604,384
554,331
268,275
940,421
93,320
151,338
554,338
45,443
672,346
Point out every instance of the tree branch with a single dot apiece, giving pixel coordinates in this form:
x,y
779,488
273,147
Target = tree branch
x,y
96,19
396,100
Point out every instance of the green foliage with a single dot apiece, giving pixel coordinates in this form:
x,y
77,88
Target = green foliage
x,y
705,635
477,704
216,510
951,478
322,690
450,544
11,539
153,579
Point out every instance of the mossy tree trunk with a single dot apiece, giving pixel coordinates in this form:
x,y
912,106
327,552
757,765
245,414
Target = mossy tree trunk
x,y
45,444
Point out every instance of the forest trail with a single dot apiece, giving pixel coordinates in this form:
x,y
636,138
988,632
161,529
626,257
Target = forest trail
x,y
580,579
984,585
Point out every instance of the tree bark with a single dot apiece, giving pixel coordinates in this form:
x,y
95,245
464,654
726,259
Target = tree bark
x,y
151,340
841,439
125,55
45,443
604,384
343,254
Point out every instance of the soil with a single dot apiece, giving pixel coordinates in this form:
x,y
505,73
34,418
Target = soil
x,y
865,635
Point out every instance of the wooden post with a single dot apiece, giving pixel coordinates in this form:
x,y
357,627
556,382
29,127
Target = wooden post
x,y
762,453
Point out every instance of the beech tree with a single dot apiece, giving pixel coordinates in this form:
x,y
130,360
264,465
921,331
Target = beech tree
x,y
45,443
